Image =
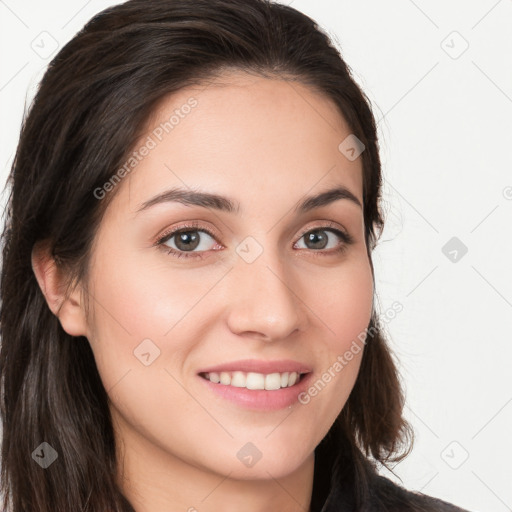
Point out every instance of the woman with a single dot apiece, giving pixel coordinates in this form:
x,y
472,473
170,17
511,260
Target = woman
x,y
188,315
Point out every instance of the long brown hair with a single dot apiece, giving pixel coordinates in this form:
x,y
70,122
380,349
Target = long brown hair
x,y
88,112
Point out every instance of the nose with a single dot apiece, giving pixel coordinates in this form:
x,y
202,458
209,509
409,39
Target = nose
x,y
264,304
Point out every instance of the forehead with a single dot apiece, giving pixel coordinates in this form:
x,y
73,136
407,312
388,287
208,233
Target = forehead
x,y
240,133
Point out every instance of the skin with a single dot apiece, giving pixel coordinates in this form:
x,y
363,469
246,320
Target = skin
x,y
267,144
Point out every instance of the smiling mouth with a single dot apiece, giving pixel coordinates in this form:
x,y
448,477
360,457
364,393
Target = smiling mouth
x,y
254,380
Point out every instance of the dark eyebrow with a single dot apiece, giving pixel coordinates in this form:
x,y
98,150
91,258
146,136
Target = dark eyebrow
x,y
222,203
193,198
327,197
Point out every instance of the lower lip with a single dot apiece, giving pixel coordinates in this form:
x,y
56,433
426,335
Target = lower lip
x,y
260,399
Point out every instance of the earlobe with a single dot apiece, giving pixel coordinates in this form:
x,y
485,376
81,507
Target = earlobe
x,y
52,281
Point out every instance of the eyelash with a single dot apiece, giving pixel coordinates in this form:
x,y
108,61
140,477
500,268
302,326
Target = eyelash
x,y
346,238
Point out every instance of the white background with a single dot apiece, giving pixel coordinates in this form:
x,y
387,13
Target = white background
x,y
445,125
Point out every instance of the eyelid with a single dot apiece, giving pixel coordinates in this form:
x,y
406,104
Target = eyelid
x,y
324,224
191,225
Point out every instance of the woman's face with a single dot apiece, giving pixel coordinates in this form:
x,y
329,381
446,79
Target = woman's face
x,y
268,284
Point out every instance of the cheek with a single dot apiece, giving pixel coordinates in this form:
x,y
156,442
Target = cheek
x,y
145,325
344,311
143,307
343,303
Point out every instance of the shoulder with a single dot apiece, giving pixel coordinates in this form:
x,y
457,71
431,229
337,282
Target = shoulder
x,y
388,495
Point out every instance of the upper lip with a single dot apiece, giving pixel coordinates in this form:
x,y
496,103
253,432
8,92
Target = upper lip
x,y
260,366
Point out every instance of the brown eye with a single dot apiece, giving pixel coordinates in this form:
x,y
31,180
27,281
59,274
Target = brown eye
x,y
186,240
318,239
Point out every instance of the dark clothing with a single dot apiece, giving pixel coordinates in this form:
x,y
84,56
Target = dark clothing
x,y
338,475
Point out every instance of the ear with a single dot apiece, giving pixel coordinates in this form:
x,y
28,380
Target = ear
x,y
52,281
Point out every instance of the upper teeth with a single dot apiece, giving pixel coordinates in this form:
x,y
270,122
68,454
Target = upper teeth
x,y
253,380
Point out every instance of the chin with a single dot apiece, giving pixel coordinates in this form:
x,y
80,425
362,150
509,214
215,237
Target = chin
x,y
276,468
